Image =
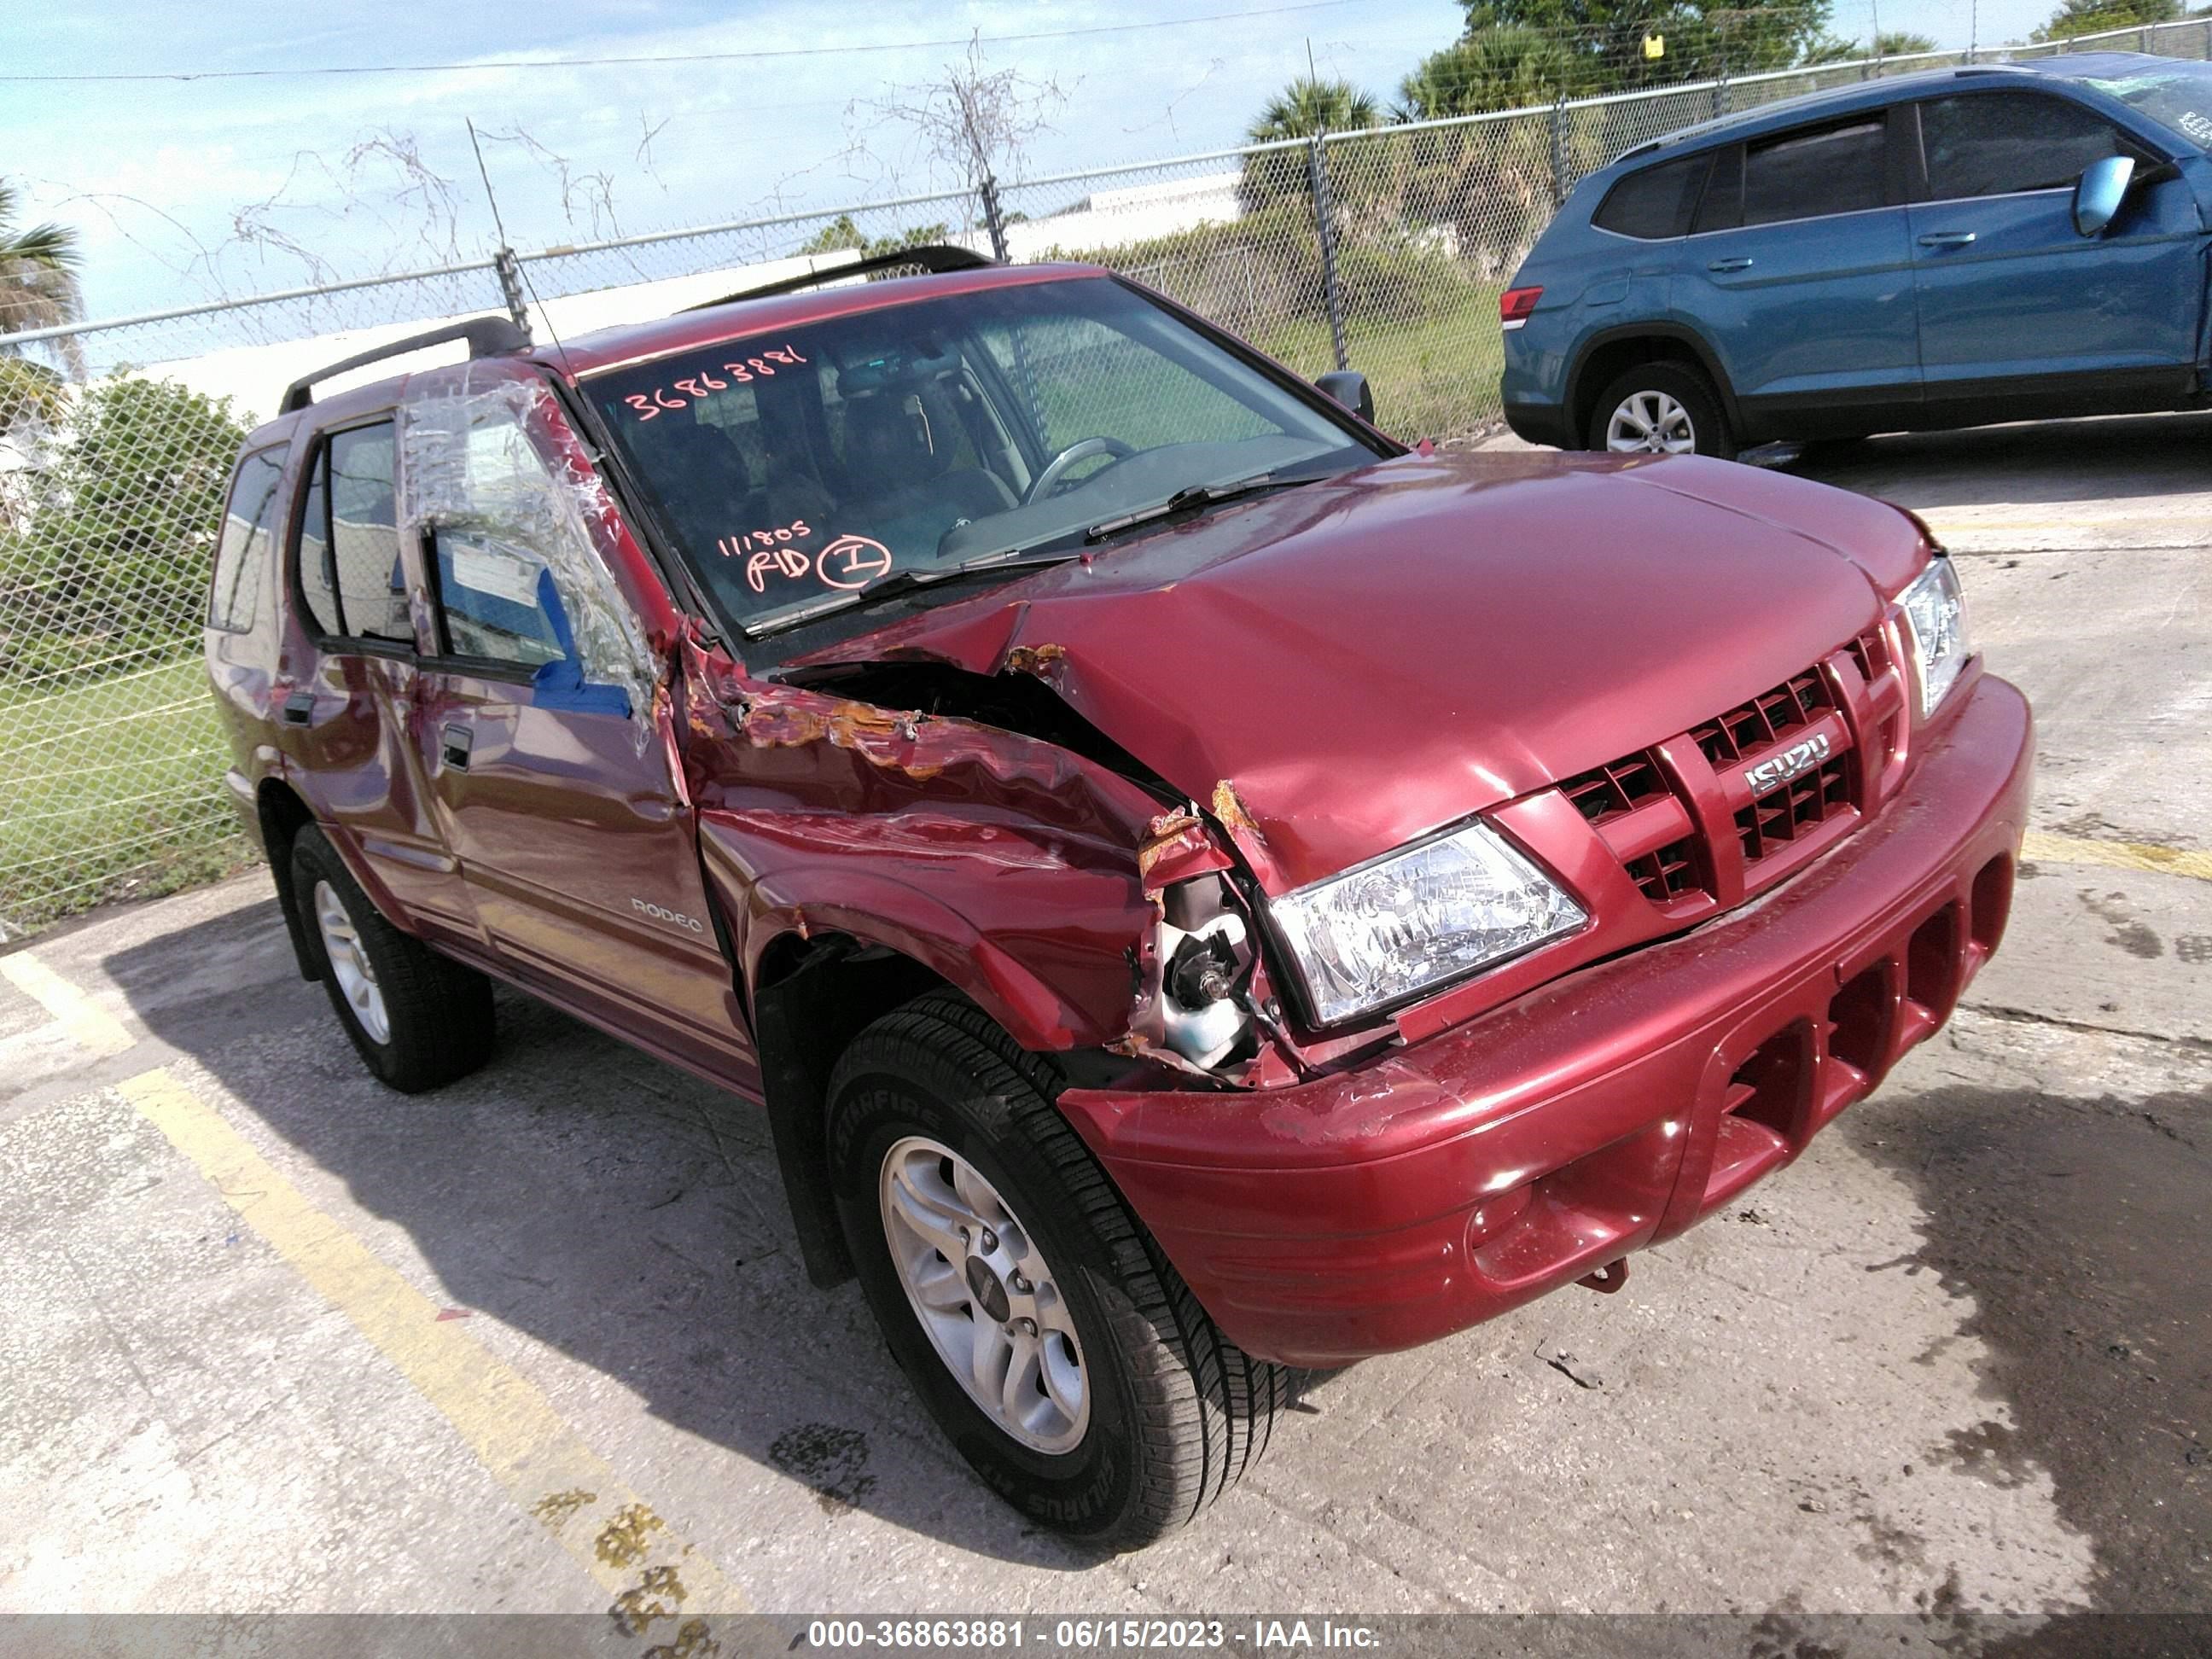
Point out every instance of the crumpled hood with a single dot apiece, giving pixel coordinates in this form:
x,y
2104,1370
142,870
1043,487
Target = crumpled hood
x,y
1363,660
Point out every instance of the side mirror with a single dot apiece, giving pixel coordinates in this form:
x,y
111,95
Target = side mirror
x,y
1349,387
2099,192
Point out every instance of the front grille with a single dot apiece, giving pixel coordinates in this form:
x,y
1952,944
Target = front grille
x,y
1870,653
1659,858
1668,874
1795,703
1608,793
1781,815
1786,766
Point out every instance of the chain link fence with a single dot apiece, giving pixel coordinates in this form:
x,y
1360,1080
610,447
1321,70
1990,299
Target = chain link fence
x,y
1384,250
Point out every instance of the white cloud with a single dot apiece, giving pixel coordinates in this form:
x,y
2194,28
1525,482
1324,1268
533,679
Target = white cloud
x,y
735,138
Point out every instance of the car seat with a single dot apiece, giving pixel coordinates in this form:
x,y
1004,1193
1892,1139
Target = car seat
x,y
898,445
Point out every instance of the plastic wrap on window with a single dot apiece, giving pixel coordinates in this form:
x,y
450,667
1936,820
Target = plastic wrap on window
x,y
468,463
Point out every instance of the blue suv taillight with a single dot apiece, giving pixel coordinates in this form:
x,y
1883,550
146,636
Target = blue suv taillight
x,y
1515,305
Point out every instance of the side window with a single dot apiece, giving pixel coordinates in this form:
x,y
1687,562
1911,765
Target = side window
x,y
1996,143
1723,206
1805,175
511,536
1655,202
241,558
347,551
365,536
497,598
311,553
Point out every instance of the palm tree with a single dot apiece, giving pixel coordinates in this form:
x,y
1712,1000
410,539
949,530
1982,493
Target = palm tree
x,y
1304,109
38,283
1492,68
1309,105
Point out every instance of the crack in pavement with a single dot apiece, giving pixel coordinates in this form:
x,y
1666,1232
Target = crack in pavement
x,y
2029,1016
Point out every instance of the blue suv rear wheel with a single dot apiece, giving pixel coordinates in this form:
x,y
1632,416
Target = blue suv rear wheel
x,y
1665,408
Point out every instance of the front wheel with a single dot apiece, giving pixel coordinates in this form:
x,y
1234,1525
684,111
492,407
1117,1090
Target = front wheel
x,y
1661,408
1059,1352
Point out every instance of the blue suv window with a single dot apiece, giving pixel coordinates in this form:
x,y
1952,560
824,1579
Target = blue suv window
x,y
1655,202
1997,143
1807,175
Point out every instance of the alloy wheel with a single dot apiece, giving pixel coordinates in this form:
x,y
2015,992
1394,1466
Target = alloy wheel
x,y
985,1295
1650,423
349,964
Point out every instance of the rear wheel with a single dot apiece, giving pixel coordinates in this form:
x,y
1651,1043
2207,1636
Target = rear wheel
x,y
1056,1346
417,1019
1662,407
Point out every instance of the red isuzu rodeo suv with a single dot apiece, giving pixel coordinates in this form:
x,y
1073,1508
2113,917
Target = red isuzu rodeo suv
x,y
1201,891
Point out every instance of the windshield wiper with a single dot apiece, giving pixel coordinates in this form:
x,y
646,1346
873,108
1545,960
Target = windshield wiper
x,y
906,582
1193,497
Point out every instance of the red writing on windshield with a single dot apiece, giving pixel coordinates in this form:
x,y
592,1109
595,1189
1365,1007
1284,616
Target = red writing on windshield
x,y
851,562
732,547
766,550
784,561
702,383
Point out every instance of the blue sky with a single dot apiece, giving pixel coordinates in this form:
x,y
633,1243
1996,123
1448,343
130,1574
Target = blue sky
x,y
154,174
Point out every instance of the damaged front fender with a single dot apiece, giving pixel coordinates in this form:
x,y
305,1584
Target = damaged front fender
x,y
1009,865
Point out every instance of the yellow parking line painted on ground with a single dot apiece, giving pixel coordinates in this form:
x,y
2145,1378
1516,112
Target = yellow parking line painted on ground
x,y
2040,847
85,1021
651,1575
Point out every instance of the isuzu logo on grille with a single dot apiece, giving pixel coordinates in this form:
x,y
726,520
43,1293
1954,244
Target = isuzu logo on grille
x,y
1788,765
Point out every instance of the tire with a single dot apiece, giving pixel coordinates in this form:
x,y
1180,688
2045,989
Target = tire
x,y
435,1015
1673,383
1172,1413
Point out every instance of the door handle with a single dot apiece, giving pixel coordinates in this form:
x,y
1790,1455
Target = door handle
x,y
454,743
300,708
1947,239
1735,262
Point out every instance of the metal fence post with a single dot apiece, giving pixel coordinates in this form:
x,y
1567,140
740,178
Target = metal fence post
x,y
1559,148
1721,95
1317,172
510,285
995,218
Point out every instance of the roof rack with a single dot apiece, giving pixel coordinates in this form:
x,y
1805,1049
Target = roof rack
x,y
932,257
487,336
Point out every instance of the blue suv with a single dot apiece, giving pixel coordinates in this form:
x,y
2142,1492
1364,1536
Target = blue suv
x,y
1994,243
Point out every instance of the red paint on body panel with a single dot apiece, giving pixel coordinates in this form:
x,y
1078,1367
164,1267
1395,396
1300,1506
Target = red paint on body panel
x,y
1014,788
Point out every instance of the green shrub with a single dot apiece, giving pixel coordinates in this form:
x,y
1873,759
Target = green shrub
x,y
110,559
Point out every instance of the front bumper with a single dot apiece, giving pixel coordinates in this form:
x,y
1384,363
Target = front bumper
x,y
1457,1177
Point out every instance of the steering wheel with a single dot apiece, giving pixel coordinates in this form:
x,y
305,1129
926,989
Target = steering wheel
x,y
1081,450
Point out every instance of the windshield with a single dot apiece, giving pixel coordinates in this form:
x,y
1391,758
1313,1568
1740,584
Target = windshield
x,y
2177,95
799,471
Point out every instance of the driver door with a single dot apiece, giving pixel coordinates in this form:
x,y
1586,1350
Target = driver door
x,y
534,720
2013,301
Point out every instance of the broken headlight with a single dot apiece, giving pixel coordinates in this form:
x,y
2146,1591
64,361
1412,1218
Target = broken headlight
x,y
1936,621
1416,918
